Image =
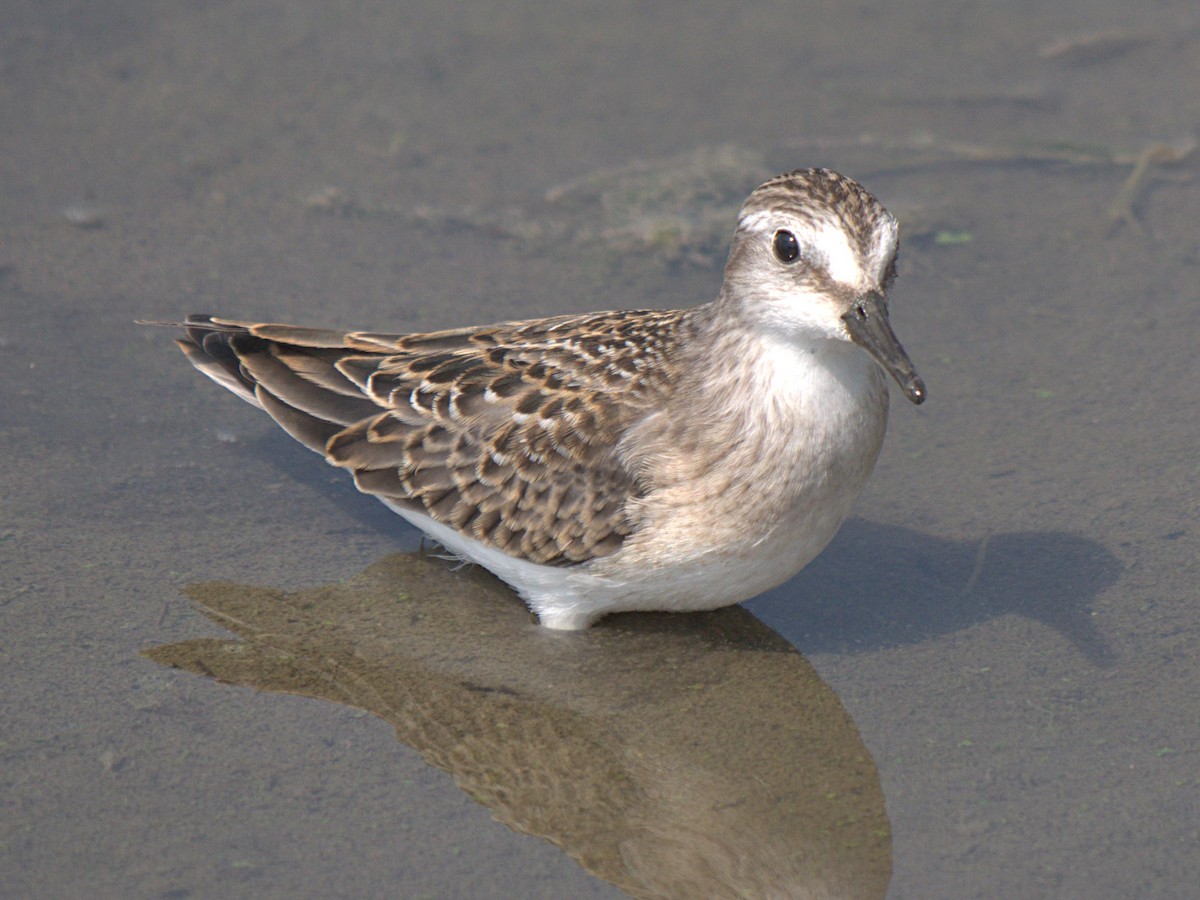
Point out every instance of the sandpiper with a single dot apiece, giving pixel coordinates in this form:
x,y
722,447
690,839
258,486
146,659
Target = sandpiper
x,y
636,460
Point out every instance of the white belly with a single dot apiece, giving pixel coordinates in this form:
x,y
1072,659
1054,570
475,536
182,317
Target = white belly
x,y
772,499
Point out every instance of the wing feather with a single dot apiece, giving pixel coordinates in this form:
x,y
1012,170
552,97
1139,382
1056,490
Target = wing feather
x,y
509,433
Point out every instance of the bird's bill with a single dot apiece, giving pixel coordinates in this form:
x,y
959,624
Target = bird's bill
x,y
867,322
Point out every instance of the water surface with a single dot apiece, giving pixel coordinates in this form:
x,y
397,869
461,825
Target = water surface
x,y
1009,624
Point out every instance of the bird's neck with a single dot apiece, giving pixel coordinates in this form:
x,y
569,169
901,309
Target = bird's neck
x,y
786,381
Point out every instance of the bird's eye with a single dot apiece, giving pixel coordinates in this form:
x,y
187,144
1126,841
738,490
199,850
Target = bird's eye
x,y
787,248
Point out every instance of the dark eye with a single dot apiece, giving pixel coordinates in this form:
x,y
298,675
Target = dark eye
x,y
787,248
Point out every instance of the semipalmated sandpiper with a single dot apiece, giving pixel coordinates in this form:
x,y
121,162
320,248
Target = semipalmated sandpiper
x,y
642,460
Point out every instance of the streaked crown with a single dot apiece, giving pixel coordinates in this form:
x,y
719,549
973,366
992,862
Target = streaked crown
x,y
808,239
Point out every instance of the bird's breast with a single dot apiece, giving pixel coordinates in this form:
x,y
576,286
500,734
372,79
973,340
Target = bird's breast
x,y
761,473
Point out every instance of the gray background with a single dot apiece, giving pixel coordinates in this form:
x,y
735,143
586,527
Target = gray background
x,y
1012,620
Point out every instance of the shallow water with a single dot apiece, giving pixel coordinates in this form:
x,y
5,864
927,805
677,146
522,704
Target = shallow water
x,y
1009,627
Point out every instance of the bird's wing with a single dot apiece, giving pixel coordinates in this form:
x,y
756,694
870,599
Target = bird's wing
x,y
508,433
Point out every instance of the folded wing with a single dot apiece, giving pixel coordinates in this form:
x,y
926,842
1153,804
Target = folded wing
x,y
508,433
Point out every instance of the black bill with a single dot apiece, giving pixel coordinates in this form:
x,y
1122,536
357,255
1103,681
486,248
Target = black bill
x,y
867,322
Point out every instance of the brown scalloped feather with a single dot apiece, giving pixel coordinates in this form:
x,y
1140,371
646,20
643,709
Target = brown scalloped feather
x,y
509,433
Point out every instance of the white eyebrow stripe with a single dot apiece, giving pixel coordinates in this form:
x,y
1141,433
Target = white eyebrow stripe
x,y
883,247
841,260
824,241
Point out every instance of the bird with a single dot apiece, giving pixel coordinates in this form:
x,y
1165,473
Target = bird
x,y
644,459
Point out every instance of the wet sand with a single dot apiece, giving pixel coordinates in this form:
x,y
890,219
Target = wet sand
x,y
1010,622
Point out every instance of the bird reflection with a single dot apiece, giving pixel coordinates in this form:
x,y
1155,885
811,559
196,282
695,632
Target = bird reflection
x,y
671,755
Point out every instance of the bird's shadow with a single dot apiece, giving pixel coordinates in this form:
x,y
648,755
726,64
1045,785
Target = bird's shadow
x,y
875,585
884,585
